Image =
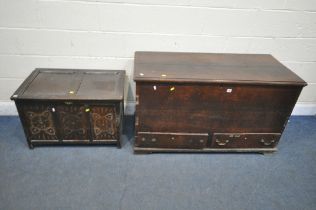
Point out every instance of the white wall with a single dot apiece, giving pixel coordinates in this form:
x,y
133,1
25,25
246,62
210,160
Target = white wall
x,y
104,34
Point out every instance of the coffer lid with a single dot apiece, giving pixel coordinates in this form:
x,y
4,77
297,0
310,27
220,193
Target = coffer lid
x,y
212,68
69,84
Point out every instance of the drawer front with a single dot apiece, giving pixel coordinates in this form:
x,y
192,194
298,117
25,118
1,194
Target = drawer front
x,y
245,140
171,140
38,121
105,123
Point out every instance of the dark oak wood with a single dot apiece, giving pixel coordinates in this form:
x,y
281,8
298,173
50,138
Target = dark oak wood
x,y
212,67
171,140
71,84
243,99
62,106
245,140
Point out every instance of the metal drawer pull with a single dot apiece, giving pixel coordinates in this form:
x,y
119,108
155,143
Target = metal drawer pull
x,y
153,139
137,100
267,143
222,143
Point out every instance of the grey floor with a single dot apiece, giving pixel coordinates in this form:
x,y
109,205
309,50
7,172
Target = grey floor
x,y
109,178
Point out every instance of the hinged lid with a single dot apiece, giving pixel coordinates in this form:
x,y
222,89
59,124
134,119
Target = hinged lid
x,y
67,84
212,68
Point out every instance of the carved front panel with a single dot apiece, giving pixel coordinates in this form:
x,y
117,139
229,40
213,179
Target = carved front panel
x,y
73,122
39,121
104,126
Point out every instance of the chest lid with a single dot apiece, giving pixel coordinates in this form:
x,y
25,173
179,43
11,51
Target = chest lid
x,y
212,68
68,84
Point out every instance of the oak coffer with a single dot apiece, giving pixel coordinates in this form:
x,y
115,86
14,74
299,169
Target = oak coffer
x,y
63,106
203,102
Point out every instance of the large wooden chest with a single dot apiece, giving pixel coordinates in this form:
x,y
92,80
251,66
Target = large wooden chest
x,y
60,106
199,102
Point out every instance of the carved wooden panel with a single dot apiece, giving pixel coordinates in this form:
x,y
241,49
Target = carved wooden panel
x,y
39,120
104,126
73,122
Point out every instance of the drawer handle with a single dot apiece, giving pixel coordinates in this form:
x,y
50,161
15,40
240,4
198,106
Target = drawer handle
x,y
137,100
267,143
136,121
222,143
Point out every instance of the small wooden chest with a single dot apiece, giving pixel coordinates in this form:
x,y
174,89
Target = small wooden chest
x,y
199,102
63,106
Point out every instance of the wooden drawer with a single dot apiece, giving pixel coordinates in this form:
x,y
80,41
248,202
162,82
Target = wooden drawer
x,y
171,140
245,140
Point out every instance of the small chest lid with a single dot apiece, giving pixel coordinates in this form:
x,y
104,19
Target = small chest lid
x,y
212,68
67,84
